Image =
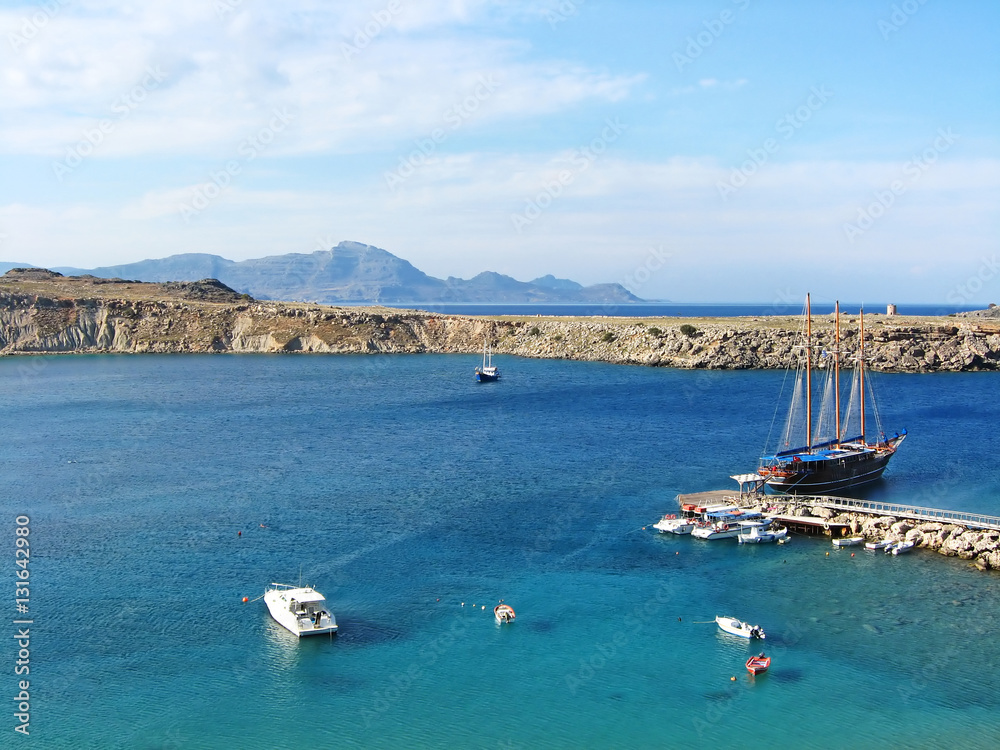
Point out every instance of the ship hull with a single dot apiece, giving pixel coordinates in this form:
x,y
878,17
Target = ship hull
x,y
831,475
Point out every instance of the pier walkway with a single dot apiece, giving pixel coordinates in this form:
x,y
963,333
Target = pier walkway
x,y
915,512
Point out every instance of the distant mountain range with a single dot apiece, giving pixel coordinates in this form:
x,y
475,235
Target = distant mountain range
x,y
353,272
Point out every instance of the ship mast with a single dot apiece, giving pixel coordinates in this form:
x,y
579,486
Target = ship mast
x,y
861,367
809,405
836,372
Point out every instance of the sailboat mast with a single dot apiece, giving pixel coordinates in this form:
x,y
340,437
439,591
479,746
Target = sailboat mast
x,y
861,370
809,403
836,372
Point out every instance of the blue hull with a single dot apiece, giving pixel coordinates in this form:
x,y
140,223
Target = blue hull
x,y
484,378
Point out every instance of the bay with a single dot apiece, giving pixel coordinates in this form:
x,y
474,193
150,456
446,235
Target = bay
x,y
161,490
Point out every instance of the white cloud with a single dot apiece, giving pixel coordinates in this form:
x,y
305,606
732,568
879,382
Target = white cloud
x,y
349,70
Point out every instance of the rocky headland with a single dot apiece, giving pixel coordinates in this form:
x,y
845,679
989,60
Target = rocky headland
x,y
42,312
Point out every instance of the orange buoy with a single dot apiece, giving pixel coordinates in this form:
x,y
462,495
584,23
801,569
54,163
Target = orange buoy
x,y
852,554
246,599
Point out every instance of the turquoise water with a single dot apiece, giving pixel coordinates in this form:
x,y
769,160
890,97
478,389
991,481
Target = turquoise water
x,y
401,488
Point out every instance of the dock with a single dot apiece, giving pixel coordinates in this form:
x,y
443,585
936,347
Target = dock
x,y
751,493
810,525
976,521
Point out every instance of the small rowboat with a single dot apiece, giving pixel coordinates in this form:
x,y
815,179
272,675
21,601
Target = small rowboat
x,y
849,541
877,545
758,664
901,548
504,613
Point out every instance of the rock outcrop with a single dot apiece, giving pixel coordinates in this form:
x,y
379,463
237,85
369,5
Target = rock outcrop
x,y
980,547
44,312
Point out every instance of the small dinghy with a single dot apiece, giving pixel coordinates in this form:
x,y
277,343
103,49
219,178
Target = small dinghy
x,y
504,613
849,541
740,628
902,548
877,545
758,664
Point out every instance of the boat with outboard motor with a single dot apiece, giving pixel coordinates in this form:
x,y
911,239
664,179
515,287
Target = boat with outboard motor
x,y
760,532
740,628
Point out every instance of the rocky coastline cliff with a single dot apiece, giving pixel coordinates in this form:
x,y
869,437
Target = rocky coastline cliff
x,y
42,312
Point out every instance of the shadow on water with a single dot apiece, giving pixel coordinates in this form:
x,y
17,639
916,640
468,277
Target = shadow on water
x,y
540,626
785,674
359,632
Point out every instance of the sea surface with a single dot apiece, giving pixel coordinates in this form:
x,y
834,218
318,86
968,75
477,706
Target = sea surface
x,y
163,489
681,309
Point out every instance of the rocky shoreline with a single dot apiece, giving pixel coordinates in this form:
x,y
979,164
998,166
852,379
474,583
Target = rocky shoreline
x,y
45,313
980,547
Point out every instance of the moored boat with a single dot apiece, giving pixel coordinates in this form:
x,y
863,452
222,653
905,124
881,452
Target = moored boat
x,y
848,541
740,628
488,373
758,664
724,524
504,613
760,532
299,609
877,545
902,548
833,454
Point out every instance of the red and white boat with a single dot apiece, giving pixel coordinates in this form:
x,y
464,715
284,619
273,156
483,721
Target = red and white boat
x,y
504,613
758,664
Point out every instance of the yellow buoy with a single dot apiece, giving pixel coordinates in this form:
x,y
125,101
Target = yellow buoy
x,y
733,678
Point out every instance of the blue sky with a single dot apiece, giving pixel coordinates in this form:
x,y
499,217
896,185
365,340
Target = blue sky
x,y
735,150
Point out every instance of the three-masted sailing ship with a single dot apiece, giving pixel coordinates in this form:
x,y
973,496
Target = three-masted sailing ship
x,y
834,453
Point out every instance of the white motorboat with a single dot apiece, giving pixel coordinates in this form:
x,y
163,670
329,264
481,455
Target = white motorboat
x,y
671,524
692,516
718,530
300,609
877,545
902,548
724,524
740,628
760,532
849,541
504,613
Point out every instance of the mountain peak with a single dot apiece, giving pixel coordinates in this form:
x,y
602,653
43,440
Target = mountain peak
x,y
356,272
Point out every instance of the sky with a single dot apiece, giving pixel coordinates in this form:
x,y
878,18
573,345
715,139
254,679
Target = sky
x,y
720,150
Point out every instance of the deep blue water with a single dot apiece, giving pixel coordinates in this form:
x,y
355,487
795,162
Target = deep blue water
x,y
401,488
682,309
